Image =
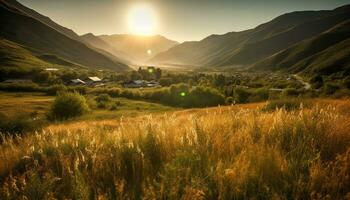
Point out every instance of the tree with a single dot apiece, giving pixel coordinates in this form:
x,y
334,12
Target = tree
x,y
347,82
241,95
68,105
219,80
317,81
158,73
135,76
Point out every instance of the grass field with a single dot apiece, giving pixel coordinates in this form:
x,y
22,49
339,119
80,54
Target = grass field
x,y
24,103
234,152
13,104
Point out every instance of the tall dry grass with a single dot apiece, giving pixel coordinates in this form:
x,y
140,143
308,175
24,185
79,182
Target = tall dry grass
x,y
223,153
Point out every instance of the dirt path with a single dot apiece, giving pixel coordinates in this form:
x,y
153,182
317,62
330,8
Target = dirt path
x,y
307,85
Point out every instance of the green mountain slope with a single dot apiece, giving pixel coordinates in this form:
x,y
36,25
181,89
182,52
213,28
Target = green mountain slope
x,y
288,58
335,59
20,28
13,55
248,47
46,20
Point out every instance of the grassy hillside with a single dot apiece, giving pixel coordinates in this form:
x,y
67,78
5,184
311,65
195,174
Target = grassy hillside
x,y
11,104
15,57
41,18
137,46
217,153
18,27
287,59
254,51
250,46
335,59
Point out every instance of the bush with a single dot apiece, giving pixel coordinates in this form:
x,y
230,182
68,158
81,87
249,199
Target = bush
x,y
55,89
330,89
165,81
68,105
287,104
79,89
290,92
317,81
229,101
204,97
115,105
241,95
21,87
261,94
103,98
346,82
20,124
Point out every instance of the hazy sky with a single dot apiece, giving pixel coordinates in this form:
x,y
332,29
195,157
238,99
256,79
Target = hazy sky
x,y
180,20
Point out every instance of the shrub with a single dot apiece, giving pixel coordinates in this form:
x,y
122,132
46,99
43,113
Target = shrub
x,y
317,81
342,93
346,82
21,87
229,101
55,89
165,81
290,92
261,94
115,105
20,123
330,88
287,104
204,97
103,98
102,104
241,95
68,105
79,89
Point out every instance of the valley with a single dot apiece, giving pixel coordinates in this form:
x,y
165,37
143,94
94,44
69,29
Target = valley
x,y
102,113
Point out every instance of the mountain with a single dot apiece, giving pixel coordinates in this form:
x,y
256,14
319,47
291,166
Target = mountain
x,y
15,58
252,46
47,21
138,46
13,55
104,47
326,53
41,39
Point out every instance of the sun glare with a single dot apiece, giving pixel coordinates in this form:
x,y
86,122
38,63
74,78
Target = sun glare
x,y
142,20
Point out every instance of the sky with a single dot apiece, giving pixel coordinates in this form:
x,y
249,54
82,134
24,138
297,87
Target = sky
x,y
181,20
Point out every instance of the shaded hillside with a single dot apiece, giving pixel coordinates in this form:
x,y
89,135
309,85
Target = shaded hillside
x,y
35,35
253,52
46,20
137,46
247,47
53,59
14,56
302,51
335,59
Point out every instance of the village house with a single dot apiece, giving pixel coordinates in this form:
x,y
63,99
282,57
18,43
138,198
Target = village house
x,y
140,84
75,82
93,81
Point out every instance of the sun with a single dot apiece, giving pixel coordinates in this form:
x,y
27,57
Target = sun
x,y
142,20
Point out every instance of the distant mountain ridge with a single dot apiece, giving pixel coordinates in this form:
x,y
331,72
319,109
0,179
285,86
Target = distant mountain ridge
x,y
251,47
100,44
42,36
136,47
